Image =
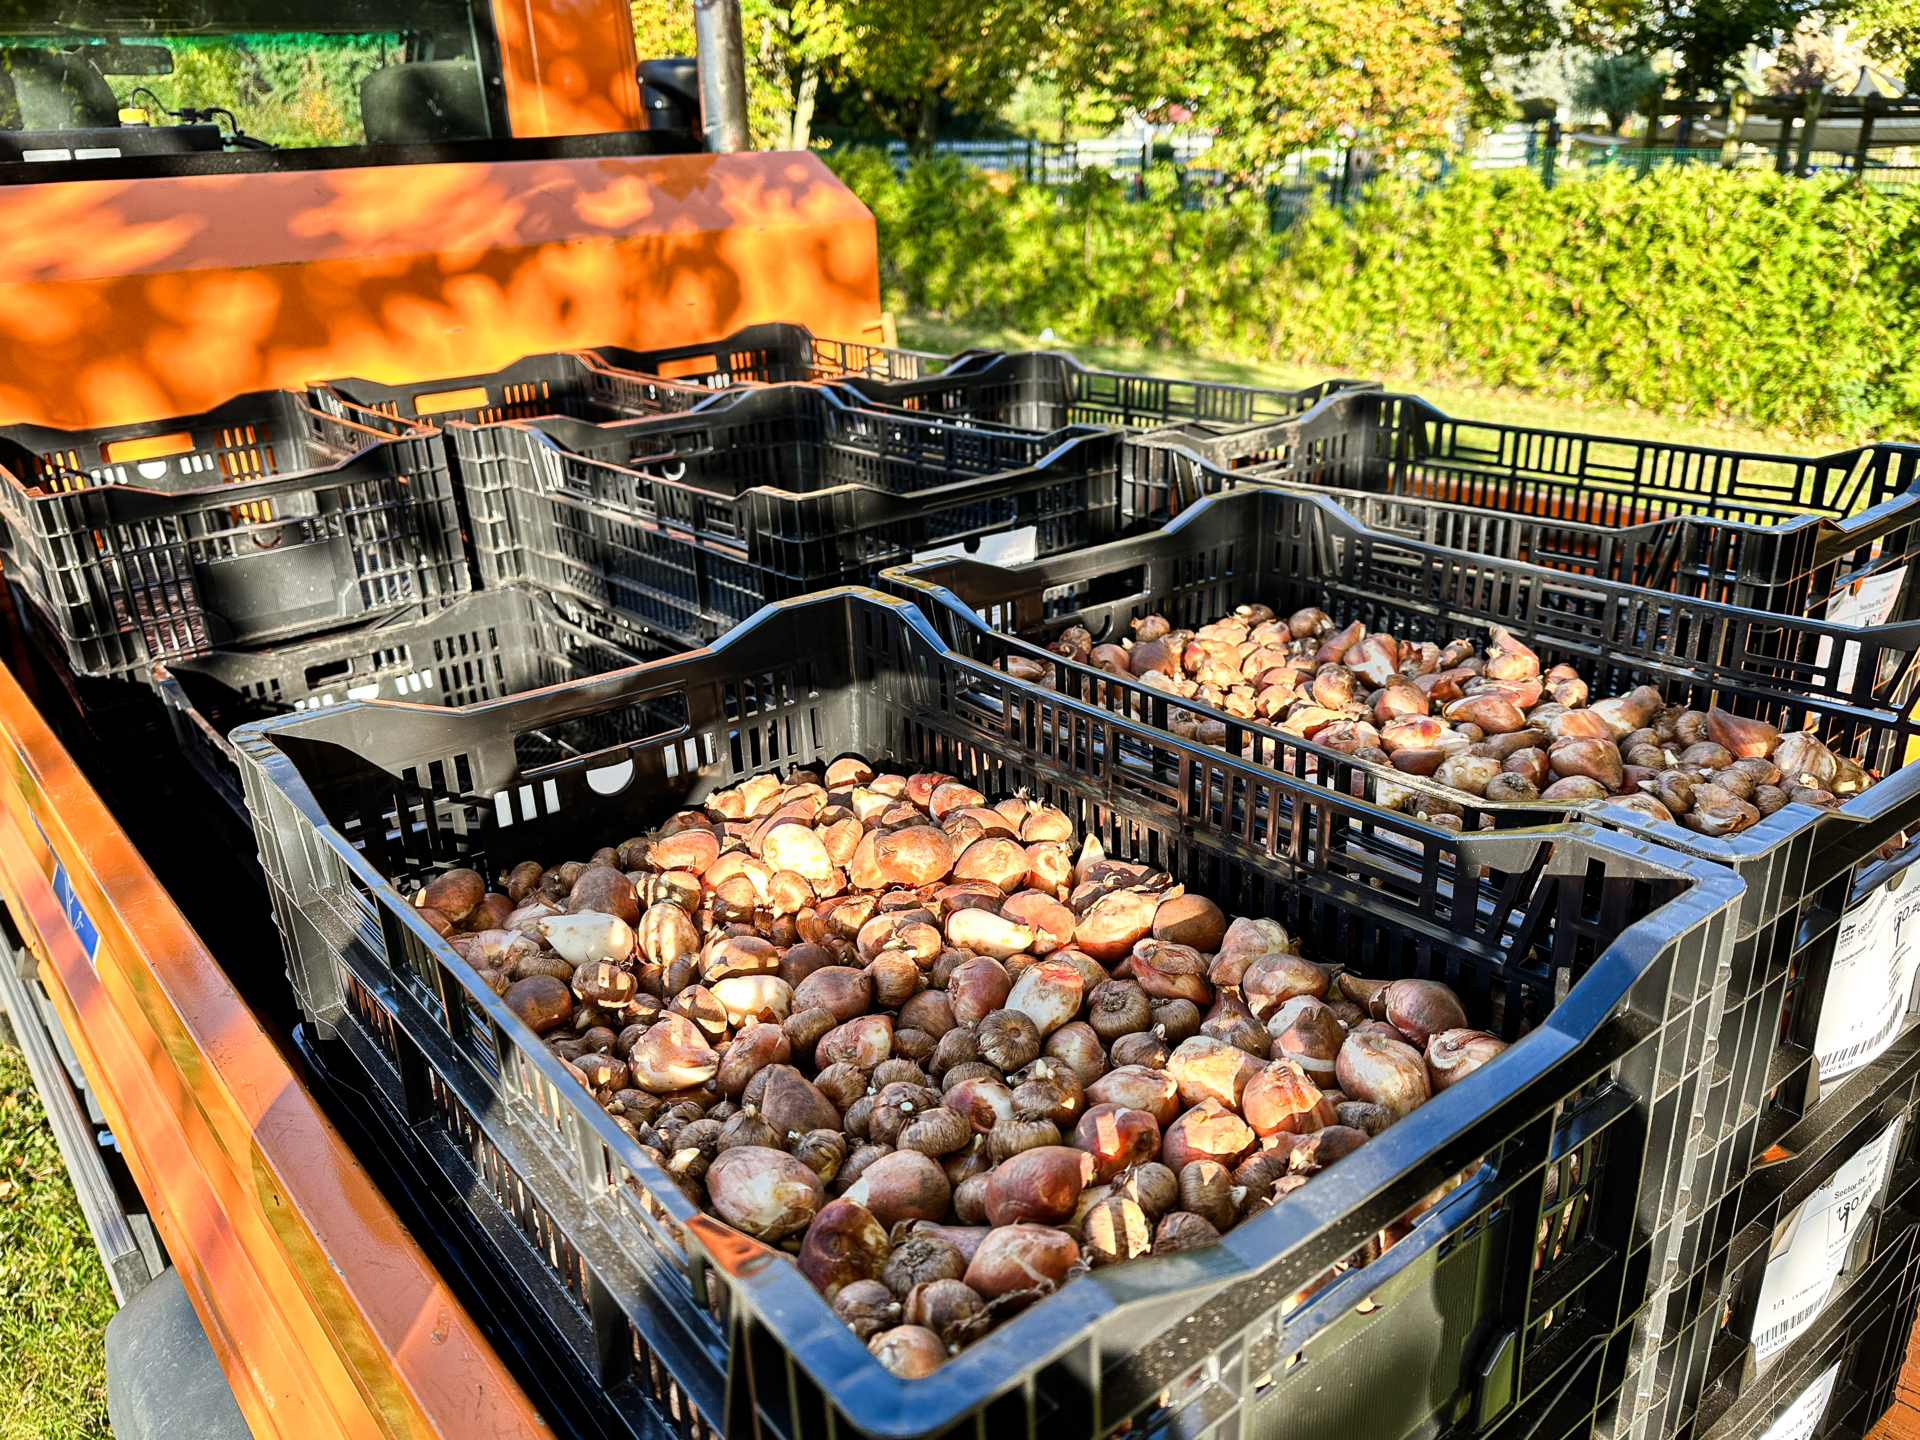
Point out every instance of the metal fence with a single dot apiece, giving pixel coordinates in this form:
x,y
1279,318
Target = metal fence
x,y
1051,162
1330,176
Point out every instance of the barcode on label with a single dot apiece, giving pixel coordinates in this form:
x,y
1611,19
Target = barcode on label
x,y
1788,1326
1861,1047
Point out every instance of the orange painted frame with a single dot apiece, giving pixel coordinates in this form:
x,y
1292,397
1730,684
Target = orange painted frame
x,y
131,300
325,1316
569,66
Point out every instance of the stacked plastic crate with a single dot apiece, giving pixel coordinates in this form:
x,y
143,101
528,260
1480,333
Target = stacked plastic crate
x,y
1813,1075
1724,1174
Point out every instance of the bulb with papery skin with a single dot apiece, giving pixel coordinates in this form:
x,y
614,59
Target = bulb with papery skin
x,y
1452,1055
1282,1100
1116,1138
1040,1185
843,1244
1384,1071
1021,1258
1419,1008
767,1193
585,937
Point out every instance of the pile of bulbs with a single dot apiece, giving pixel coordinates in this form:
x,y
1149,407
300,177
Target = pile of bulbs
x,y
1490,724
935,1051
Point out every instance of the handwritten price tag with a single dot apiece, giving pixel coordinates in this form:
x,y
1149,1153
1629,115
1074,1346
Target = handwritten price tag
x,y
1874,964
1868,603
1808,1255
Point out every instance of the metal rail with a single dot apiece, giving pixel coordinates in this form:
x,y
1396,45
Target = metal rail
x,y
128,1271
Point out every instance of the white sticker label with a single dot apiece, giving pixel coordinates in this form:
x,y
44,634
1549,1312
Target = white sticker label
x,y
1801,1420
1865,603
1011,547
1874,963
1810,1252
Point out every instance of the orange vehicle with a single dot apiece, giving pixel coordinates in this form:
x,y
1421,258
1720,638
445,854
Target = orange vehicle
x,y
204,197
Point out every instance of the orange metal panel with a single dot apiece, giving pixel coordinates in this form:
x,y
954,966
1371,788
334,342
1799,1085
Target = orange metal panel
x,y
325,1316
133,300
569,66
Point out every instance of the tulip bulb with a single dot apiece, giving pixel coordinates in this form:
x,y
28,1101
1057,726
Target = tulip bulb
x,y
764,1192
1047,994
1385,1072
1452,1055
1021,1260
585,937
1421,1008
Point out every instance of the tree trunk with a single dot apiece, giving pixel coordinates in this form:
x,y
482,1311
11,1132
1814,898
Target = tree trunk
x,y
803,106
928,128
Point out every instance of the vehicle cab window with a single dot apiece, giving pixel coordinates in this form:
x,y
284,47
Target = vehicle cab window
x,y
80,81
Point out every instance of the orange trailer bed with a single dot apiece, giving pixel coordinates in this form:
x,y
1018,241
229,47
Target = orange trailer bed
x,y
324,1313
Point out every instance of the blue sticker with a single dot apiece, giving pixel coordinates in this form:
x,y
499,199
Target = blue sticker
x,y
84,929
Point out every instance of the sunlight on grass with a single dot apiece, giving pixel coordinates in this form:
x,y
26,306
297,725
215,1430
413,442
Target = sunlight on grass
x,y
1505,407
54,1300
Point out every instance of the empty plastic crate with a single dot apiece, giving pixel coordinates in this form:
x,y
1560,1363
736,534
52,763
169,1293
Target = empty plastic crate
x,y
1045,389
579,385
1288,549
484,647
258,521
1521,1304
1771,532
773,354
689,524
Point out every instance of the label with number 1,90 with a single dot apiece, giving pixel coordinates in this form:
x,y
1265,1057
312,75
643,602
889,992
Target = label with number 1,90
x,y
1874,962
1811,1250
1865,603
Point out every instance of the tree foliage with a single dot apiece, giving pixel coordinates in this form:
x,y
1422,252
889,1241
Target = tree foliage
x,y
1735,293
1272,76
905,58
1889,31
1617,86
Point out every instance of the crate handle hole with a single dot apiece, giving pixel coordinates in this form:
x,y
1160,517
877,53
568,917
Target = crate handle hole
x,y
440,402
146,447
611,779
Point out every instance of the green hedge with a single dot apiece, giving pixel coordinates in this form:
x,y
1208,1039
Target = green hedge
x,y
1784,303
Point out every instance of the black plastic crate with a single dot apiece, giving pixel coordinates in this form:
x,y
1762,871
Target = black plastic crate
x,y
484,647
575,384
1857,1143
477,1245
1045,389
258,521
1795,997
689,524
771,354
1289,549
1861,1338
1521,1303
1780,533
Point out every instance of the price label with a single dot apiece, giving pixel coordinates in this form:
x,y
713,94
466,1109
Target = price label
x,y
1874,963
1865,603
1811,1248
1801,1420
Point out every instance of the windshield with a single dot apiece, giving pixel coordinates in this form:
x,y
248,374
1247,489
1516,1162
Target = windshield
x,y
209,74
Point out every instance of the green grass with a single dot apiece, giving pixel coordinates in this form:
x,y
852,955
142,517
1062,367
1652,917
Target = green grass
x,y
54,1300
1507,407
